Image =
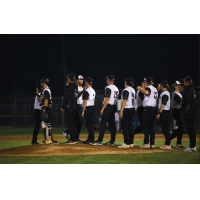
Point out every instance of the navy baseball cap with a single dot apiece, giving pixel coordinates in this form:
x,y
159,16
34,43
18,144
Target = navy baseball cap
x,y
129,81
143,80
89,79
187,78
70,75
164,82
149,79
111,77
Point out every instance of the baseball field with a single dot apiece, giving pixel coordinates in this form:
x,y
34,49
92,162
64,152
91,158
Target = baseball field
x,y
16,148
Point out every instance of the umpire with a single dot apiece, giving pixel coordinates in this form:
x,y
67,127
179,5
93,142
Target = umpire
x,y
70,106
189,110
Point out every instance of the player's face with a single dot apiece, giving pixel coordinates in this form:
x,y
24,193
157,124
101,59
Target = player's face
x,y
80,82
108,82
41,85
179,87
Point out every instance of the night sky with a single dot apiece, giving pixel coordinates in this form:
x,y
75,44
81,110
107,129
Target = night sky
x,y
26,59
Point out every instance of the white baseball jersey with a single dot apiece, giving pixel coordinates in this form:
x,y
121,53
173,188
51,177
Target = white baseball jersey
x,y
139,100
37,103
113,96
167,106
46,89
89,95
151,100
173,103
131,97
80,99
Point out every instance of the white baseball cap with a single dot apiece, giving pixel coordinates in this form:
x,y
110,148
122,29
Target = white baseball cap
x,y
176,83
80,77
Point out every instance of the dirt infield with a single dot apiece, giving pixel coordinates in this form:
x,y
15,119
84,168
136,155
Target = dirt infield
x,y
82,137
77,149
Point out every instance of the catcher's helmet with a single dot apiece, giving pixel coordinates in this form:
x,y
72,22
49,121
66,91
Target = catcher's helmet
x,y
45,80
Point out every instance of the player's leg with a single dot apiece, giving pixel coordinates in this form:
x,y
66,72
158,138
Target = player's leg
x,y
180,124
111,122
147,120
90,124
124,123
37,119
130,126
78,120
140,115
152,129
175,115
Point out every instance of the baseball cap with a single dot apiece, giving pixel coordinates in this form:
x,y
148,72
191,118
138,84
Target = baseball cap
x,y
187,78
129,80
80,77
70,75
111,77
149,79
143,80
164,82
89,79
176,83
45,80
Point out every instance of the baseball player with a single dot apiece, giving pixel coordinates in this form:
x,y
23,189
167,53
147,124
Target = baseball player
x,y
70,106
140,108
188,108
149,114
108,112
88,109
177,114
37,117
46,105
127,112
164,112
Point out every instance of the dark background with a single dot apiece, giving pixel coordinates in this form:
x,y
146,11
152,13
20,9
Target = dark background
x,y
25,59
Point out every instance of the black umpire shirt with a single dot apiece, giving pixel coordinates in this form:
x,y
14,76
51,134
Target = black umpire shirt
x,y
71,96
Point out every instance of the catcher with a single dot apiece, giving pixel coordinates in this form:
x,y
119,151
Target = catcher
x,y
46,105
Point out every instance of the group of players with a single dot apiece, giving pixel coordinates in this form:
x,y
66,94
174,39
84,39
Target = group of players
x,y
152,103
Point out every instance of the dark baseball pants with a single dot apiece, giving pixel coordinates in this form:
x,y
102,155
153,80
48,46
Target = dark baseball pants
x,y
79,110
127,125
108,116
178,116
37,119
164,120
148,126
190,126
140,111
89,118
71,123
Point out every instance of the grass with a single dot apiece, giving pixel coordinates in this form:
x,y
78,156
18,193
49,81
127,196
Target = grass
x,y
168,157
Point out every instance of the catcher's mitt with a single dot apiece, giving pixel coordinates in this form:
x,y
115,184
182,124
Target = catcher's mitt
x,y
44,115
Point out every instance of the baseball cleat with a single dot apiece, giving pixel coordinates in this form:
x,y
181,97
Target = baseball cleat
x,y
178,146
110,144
66,135
70,142
54,141
131,145
124,146
166,147
34,143
96,143
79,141
188,149
46,142
152,146
86,142
145,146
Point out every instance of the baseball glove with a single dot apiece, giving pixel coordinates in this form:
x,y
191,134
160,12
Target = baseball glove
x,y
44,115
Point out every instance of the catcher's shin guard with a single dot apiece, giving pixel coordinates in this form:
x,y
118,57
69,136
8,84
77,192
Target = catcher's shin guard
x,y
46,127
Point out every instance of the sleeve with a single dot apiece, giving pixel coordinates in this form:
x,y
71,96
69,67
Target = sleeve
x,y
46,95
125,94
186,97
107,92
177,99
149,90
164,99
141,95
85,95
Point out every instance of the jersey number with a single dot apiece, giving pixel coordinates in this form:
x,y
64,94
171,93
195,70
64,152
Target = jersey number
x,y
115,94
155,95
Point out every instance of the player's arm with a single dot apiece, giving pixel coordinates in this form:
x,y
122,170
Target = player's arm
x,y
144,91
125,98
164,101
80,93
107,98
85,99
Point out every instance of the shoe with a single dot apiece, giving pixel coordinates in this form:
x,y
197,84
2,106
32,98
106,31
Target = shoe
x,y
124,146
178,146
165,147
79,141
110,144
152,146
145,146
34,143
66,135
96,143
86,142
171,143
188,149
70,142
54,141
46,142
131,145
